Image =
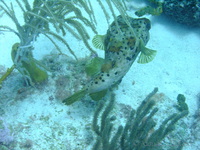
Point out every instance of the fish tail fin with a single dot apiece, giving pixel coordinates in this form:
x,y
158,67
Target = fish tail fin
x,y
75,97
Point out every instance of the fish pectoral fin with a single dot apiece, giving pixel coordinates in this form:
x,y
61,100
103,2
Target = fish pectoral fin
x,y
75,97
98,95
98,41
146,55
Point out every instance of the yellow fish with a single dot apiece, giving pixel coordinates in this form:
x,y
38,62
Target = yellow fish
x,y
124,40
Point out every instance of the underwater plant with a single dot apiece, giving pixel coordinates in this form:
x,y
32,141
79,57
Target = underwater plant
x,y
51,18
1,12
138,132
157,10
4,76
37,21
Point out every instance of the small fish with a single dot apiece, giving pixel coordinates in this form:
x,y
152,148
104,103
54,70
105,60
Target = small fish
x,y
125,39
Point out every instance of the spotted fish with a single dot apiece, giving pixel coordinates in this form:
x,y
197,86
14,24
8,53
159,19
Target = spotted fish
x,y
124,41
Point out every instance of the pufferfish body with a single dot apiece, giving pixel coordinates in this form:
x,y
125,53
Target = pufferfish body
x,y
124,41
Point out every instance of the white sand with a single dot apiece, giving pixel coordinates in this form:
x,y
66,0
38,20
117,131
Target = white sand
x,y
54,126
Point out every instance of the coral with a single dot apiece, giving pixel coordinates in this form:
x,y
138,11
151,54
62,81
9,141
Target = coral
x,y
138,132
37,20
183,11
181,102
31,67
104,140
6,137
40,17
4,76
151,10
28,144
1,13
195,127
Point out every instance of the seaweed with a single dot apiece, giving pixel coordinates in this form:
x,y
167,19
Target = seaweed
x,y
137,134
155,11
37,20
4,76
54,19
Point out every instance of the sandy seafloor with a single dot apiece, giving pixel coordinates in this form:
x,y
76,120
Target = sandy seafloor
x,y
39,121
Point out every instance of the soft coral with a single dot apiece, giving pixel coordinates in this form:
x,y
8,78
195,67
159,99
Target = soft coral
x,y
6,136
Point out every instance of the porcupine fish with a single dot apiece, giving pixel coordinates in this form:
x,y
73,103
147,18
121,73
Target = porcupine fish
x,y
122,44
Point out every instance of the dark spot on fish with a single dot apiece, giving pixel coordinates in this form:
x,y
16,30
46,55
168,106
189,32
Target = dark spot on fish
x,y
124,54
116,73
96,82
128,58
103,80
108,74
125,47
113,64
100,78
133,55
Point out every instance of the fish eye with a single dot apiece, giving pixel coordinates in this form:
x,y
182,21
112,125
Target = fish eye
x,y
148,23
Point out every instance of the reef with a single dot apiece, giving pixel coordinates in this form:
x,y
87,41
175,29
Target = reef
x,y
139,131
183,11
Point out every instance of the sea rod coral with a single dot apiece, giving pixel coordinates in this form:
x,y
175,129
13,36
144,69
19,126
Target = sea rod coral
x,y
138,132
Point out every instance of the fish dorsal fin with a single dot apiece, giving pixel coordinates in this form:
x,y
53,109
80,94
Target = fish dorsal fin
x,y
147,55
98,41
